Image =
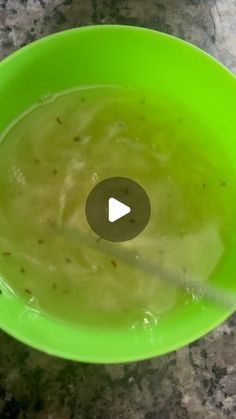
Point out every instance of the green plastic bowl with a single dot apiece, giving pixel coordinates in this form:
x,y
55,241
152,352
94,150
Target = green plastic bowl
x,y
118,55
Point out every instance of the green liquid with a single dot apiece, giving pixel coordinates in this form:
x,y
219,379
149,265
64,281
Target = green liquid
x,y
52,157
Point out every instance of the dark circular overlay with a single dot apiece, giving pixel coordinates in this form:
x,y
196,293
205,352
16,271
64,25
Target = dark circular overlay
x,y
127,192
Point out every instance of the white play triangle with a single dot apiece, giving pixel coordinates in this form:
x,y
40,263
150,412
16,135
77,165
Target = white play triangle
x,y
116,210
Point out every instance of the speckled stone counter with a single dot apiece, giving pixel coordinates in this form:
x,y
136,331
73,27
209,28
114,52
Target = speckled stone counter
x,y
196,382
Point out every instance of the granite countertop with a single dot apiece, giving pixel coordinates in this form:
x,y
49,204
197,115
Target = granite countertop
x,y
196,382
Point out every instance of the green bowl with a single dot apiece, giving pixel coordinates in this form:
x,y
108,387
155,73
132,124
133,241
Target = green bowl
x,y
118,55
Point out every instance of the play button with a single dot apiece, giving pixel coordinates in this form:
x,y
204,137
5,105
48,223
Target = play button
x,y
117,209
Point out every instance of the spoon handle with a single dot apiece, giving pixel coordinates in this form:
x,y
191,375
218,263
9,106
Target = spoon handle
x,y
221,297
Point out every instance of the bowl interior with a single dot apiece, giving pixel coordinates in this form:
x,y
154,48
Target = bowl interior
x,y
120,56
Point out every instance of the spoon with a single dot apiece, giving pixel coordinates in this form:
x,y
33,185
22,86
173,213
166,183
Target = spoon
x,y
213,293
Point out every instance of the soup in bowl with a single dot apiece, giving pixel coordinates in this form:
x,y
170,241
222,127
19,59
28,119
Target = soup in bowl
x,y
99,103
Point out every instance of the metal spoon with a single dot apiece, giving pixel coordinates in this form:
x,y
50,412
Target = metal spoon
x,y
208,290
